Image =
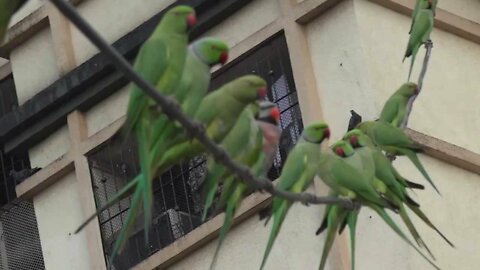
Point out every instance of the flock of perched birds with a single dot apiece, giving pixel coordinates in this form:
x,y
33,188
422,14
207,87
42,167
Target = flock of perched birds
x,y
238,117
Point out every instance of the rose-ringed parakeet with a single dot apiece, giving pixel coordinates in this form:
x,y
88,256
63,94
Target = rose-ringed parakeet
x,y
422,27
367,165
202,55
395,108
385,171
258,155
423,4
242,143
218,111
160,61
7,9
344,150
394,141
297,174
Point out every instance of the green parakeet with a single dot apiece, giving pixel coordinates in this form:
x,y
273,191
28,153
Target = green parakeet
x,y
7,9
423,4
422,27
258,155
385,172
242,143
218,112
394,141
160,61
367,165
193,86
297,174
344,149
394,109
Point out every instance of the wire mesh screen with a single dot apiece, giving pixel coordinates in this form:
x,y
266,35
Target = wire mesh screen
x,y
177,201
19,240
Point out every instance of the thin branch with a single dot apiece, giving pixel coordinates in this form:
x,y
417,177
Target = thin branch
x,y
172,110
428,47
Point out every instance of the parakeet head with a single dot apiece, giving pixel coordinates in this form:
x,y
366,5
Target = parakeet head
x,y
211,51
249,88
342,149
408,89
269,112
316,132
179,19
356,138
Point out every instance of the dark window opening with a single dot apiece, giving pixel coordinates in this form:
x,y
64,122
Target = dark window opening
x,y
177,200
19,242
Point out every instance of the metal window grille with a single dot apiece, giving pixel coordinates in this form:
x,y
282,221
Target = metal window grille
x,y
19,239
177,203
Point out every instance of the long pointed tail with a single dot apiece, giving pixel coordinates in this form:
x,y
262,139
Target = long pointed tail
x,y
120,195
427,221
408,222
278,216
383,214
146,177
352,225
127,227
334,219
232,206
414,159
213,178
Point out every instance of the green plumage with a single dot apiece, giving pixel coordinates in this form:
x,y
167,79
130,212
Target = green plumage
x,y
394,141
396,185
395,108
297,174
218,111
421,29
256,154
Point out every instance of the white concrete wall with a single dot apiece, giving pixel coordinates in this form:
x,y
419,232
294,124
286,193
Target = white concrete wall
x,y
58,215
33,65
107,111
50,149
112,19
246,21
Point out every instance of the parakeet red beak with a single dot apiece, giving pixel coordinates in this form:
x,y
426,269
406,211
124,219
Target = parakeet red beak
x,y
354,141
191,20
340,152
326,133
417,90
223,58
275,114
261,93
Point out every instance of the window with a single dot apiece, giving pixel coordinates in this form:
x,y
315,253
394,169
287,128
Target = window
x,y
177,204
19,240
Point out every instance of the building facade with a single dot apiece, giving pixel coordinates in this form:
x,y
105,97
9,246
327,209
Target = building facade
x,y
62,103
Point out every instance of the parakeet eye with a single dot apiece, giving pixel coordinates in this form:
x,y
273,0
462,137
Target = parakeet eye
x,y
416,91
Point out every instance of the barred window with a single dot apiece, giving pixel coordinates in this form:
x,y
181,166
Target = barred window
x,y
19,239
177,204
